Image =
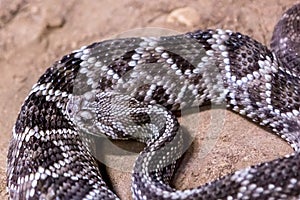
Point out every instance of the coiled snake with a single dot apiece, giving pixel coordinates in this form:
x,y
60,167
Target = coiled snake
x,y
131,88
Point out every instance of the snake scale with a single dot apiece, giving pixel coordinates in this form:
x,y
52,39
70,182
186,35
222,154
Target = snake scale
x,y
131,88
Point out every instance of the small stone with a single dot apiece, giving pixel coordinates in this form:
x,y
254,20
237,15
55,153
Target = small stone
x,y
34,10
187,16
56,21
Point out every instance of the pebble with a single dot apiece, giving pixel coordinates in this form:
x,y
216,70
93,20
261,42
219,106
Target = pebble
x,y
187,16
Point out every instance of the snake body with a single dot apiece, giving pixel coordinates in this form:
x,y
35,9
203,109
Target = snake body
x,y
132,88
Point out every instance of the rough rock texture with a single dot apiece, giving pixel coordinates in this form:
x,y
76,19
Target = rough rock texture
x,y
34,33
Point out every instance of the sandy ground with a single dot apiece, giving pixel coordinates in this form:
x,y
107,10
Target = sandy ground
x,y
33,34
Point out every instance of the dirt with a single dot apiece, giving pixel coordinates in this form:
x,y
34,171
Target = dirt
x,y
33,34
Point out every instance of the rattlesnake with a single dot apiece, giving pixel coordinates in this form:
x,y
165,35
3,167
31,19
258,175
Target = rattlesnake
x,y
132,88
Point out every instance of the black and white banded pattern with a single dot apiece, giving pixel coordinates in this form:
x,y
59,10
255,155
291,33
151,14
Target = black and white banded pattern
x,y
132,88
